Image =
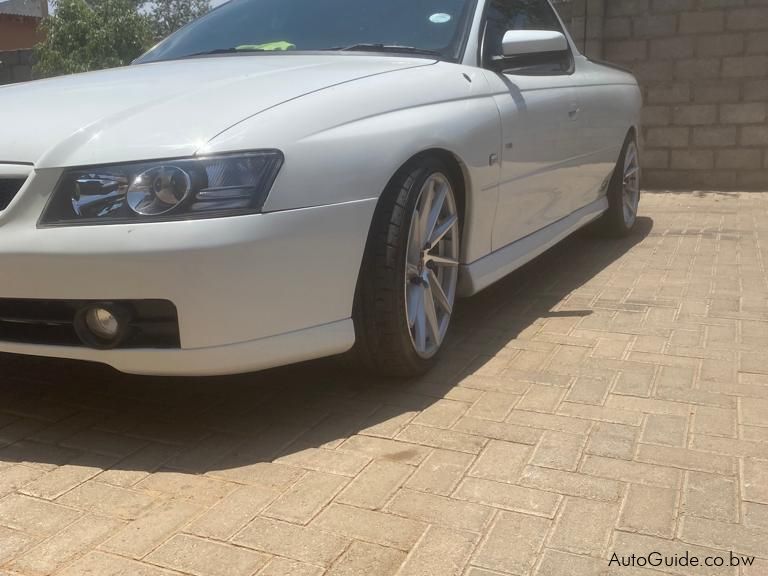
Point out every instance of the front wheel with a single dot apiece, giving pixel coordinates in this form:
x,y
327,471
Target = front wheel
x,y
410,271
623,192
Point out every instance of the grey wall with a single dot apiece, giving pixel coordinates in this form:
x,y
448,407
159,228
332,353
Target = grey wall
x,y
703,68
16,66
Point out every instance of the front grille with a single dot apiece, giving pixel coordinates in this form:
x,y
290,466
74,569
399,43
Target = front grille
x,y
9,187
153,323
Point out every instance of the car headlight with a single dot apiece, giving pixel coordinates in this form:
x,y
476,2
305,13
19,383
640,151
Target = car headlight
x,y
182,189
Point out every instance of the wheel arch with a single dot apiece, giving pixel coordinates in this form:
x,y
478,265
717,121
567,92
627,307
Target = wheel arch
x,y
459,175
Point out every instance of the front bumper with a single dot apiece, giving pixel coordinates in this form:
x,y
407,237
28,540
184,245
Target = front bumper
x,y
251,292
279,350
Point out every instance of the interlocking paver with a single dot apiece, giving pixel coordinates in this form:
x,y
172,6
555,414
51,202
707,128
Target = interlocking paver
x,y
754,412
447,439
557,563
647,405
549,422
18,429
237,509
79,537
649,510
541,398
612,441
13,477
375,485
714,421
508,496
711,496
440,552
589,390
284,567
193,555
108,500
442,414
559,450
754,433
330,461
439,510
37,454
140,537
370,526
202,490
754,480
687,459
102,564
723,535
729,446
513,543
600,413
501,461
267,474
63,479
493,406
612,396
387,421
35,516
138,465
366,558
632,471
756,516
13,543
301,543
572,534
387,448
628,543
440,472
302,501
499,430
102,442
665,429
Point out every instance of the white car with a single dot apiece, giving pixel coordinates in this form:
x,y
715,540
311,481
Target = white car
x,y
283,180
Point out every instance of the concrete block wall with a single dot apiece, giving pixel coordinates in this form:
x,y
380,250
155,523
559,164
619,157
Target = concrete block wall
x,y
16,66
703,68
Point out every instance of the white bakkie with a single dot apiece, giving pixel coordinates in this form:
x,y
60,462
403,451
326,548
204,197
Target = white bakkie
x,y
284,180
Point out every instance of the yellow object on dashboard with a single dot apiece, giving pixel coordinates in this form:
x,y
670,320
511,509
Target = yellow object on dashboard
x,y
281,45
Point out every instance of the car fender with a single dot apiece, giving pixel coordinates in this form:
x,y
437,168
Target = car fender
x,y
345,143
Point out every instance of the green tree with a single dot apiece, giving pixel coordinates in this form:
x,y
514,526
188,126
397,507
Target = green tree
x,y
82,36
167,16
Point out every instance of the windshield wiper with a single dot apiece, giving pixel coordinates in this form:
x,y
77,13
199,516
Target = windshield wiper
x,y
224,51
394,48
386,48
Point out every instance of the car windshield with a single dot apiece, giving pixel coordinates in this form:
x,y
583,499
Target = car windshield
x,y
254,26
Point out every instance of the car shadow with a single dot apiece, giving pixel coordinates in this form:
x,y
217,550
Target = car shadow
x,y
55,411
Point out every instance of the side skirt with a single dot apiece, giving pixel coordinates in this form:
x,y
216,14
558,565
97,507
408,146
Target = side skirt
x,y
483,272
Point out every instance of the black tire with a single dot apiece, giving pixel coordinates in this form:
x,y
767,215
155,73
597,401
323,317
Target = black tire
x,y
613,223
383,337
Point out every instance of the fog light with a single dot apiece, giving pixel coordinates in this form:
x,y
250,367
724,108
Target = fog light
x,y
102,325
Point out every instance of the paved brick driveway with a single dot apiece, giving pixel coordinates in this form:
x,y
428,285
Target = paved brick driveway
x,y
611,397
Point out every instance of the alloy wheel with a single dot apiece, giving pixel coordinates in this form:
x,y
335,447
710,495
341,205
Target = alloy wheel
x,y
631,184
432,262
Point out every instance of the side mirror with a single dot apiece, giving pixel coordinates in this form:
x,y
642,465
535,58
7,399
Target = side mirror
x,y
526,42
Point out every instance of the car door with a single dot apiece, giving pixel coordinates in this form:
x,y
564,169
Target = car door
x,y
606,96
539,117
